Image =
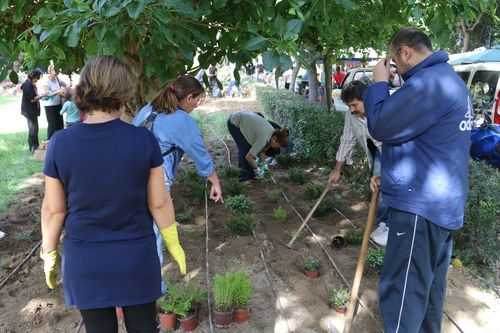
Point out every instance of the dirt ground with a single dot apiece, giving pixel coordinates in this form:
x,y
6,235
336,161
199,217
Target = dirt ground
x,y
294,303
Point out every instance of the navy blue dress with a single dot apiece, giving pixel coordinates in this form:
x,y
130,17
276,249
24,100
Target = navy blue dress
x,y
109,246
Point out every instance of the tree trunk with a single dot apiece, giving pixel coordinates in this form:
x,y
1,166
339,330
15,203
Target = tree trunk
x,y
328,83
312,77
466,42
295,71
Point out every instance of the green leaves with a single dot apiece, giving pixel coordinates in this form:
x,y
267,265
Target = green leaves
x,y
270,59
292,29
135,9
256,43
13,77
3,5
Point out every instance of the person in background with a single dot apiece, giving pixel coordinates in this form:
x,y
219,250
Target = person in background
x,y
53,88
70,108
425,129
30,107
356,130
253,136
338,76
105,194
177,134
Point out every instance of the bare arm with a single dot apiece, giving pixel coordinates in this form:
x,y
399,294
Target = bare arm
x,y
54,208
159,201
251,160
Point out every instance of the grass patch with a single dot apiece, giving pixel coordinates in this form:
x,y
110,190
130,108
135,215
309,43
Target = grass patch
x,y
190,233
312,192
272,195
10,99
297,176
16,163
186,215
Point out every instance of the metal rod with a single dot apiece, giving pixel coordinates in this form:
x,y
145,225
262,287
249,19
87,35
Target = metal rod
x,y
21,263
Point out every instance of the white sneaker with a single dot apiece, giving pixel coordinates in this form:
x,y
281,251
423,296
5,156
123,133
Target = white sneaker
x,y
380,235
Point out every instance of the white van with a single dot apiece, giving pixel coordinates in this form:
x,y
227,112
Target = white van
x,y
357,74
483,81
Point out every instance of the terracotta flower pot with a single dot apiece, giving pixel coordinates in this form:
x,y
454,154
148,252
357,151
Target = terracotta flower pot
x,y
167,320
241,315
223,319
341,309
119,313
190,322
310,274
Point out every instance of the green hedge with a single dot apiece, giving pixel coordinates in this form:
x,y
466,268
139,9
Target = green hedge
x,y
478,239
315,133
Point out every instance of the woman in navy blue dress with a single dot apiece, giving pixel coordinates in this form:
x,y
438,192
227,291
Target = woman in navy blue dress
x,y
104,185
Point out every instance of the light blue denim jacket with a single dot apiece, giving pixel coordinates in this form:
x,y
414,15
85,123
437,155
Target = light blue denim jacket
x,y
179,129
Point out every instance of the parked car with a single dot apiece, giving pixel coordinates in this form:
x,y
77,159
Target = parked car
x,y
356,74
483,81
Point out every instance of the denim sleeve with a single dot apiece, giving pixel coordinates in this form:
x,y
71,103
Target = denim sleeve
x,y
198,152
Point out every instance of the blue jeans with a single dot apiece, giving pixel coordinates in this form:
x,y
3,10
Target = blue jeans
x,y
382,209
243,149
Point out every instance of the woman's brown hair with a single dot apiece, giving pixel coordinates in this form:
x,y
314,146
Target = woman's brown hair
x,y
106,84
281,135
167,99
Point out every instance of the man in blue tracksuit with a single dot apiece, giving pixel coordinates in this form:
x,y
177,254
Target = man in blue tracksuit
x,y
425,130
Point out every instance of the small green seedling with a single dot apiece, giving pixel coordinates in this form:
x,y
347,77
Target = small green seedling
x,y
297,176
228,172
239,204
272,195
232,187
285,161
241,225
6,263
186,215
375,259
323,208
25,237
280,214
353,237
242,290
312,192
190,233
311,263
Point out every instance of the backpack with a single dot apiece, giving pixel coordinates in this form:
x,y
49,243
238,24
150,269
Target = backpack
x,y
148,123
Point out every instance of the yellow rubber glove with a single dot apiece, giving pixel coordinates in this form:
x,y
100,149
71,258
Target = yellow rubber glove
x,y
50,261
171,239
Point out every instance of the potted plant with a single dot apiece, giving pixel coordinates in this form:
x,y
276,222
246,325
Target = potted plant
x,y
338,299
188,307
242,294
167,306
311,267
223,299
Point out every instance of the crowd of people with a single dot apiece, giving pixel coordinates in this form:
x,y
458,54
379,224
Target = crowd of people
x,y
112,194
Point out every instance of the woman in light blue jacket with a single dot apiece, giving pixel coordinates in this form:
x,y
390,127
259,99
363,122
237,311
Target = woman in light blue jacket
x,y
178,133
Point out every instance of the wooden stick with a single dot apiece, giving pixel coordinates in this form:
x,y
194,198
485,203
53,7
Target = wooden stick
x,y
372,214
328,186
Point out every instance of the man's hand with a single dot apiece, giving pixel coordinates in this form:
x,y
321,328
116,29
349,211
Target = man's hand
x,y
375,183
334,177
382,70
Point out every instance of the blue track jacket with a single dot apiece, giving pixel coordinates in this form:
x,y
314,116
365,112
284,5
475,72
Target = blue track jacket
x,y
425,129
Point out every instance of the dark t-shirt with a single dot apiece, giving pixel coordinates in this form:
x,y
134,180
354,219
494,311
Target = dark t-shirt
x,y
110,255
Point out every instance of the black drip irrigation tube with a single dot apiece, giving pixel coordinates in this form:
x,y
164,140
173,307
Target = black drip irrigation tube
x,y
18,267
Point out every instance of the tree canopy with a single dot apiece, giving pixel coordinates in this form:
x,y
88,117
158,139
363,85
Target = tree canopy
x,y
164,39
